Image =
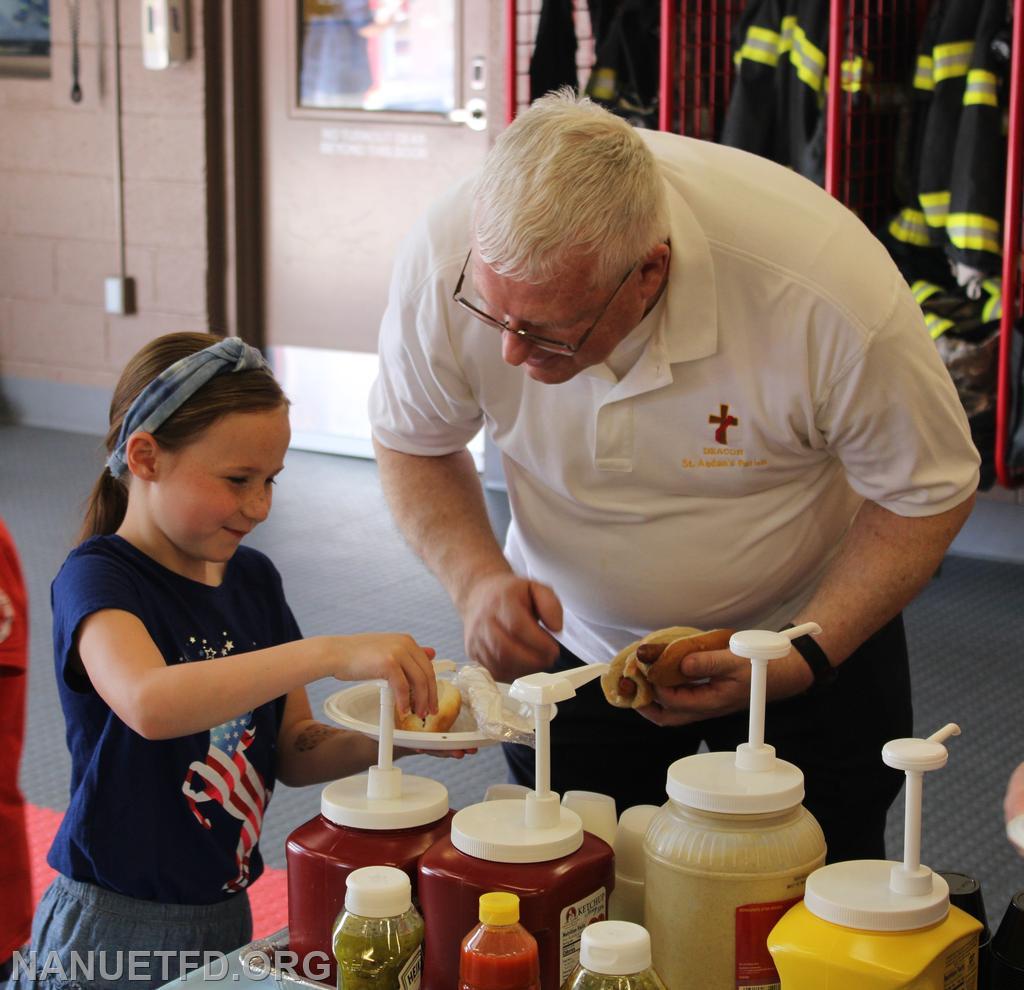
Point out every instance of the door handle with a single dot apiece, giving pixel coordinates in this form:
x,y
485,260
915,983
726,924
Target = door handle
x,y
473,114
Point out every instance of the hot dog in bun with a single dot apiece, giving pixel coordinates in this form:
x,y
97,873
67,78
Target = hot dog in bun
x,y
655,661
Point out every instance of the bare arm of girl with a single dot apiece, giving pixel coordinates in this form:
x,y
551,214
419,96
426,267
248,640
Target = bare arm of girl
x,y
310,752
160,701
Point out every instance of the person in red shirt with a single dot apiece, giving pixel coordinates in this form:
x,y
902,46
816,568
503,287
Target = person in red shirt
x,y
15,879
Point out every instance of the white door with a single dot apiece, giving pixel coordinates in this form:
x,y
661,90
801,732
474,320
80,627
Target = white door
x,y
371,109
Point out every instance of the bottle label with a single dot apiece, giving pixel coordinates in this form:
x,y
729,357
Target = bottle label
x,y
409,975
573,919
755,969
960,966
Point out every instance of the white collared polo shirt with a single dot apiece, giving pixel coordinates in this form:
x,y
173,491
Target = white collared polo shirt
x,y
787,376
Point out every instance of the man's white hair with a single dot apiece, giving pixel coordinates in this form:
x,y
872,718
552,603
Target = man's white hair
x,y
566,181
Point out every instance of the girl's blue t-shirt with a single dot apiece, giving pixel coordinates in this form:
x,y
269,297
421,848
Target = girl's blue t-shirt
x,y
174,820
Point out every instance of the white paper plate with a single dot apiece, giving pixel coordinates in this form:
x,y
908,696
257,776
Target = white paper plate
x,y
358,708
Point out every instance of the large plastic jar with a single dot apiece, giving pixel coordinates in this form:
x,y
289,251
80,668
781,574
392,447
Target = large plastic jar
x,y
718,881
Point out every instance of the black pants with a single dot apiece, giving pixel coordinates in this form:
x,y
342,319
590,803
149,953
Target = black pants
x,y
835,737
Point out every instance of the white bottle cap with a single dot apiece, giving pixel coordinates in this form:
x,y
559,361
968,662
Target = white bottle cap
x,y
384,798
420,801
752,780
615,948
596,811
535,829
876,895
378,892
629,841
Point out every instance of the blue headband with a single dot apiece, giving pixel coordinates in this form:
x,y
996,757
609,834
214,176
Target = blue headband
x,y
175,385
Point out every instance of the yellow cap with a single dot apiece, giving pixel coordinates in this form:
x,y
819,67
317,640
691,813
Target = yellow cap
x,y
499,908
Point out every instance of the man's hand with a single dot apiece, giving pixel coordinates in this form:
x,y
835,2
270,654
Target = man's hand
x,y
507,619
719,684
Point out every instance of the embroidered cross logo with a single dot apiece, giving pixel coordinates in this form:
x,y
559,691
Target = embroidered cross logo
x,y
724,421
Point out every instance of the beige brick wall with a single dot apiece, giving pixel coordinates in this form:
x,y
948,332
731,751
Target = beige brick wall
x,y
57,208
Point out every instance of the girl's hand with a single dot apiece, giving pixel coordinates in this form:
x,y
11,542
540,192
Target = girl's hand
x,y
394,657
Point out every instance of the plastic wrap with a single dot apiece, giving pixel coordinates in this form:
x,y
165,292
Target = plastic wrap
x,y
498,716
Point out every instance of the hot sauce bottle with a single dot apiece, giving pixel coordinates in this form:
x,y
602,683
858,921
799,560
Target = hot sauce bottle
x,y
499,953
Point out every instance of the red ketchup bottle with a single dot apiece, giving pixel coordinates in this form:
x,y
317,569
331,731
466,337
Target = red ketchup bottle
x,y
499,954
533,847
380,818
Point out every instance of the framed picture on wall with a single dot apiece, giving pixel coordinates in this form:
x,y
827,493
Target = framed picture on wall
x,y
24,38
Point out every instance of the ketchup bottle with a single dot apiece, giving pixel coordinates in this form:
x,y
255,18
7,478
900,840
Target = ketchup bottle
x,y
533,847
499,954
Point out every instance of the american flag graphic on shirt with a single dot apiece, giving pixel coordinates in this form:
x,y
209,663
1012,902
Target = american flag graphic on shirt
x,y
227,777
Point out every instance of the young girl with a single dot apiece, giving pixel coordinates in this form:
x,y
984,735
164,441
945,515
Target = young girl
x,y
181,674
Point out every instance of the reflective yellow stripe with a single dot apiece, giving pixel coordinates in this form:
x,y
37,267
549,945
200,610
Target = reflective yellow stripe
x,y
923,290
909,227
807,59
923,78
952,60
936,325
760,45
855,74
936,207
993,308
974,232
982,88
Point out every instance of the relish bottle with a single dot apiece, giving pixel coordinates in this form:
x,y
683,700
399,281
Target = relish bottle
x,y
499,953
378,938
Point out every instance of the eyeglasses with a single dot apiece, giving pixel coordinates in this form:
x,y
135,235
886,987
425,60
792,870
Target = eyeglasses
x,y
544,343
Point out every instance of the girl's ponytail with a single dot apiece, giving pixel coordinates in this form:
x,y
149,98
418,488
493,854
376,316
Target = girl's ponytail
x,y
105,509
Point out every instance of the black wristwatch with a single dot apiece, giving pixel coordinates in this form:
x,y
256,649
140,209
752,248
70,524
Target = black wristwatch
x,y
815,658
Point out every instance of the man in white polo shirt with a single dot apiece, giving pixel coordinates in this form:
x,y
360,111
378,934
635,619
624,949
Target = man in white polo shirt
x,y
717,406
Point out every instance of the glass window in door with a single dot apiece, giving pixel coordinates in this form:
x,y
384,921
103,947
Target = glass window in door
x,y
377,55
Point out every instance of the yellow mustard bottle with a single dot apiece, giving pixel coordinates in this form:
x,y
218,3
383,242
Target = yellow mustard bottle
x,y
730,852
877,925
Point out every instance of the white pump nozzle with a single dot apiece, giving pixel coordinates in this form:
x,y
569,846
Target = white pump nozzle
x,y
915,757
760,646
384,781
542,690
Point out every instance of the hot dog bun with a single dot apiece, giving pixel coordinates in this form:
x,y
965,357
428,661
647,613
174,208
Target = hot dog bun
x,y
625,684
449,704
665,670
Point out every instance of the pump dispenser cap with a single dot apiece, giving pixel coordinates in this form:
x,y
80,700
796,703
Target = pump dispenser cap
x,y
384,798
615,948
378,892
499,908
752,780
876,895
537,829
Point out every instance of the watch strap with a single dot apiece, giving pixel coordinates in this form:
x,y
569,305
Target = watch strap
x,y
815,658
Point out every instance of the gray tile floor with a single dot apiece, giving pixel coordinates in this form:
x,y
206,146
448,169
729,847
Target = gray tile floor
x,y
345,569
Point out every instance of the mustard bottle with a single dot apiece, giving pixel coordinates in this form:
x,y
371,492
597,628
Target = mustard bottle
x,y
876,925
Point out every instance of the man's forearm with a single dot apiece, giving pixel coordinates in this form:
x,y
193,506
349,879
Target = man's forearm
x,y
885,560
438,505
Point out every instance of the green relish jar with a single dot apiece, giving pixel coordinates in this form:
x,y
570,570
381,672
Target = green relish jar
x,y
378,938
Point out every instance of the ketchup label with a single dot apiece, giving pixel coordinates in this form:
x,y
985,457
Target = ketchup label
x,y
571,922
755,969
